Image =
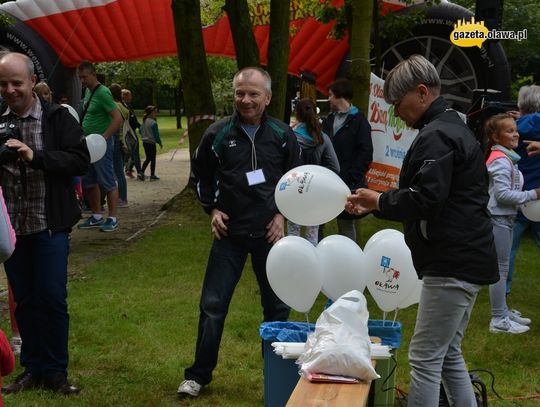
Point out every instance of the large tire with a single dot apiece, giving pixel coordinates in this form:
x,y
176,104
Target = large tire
x,y
462,70
63,81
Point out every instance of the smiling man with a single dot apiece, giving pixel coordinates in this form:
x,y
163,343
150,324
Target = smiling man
x,y
48,150
235,170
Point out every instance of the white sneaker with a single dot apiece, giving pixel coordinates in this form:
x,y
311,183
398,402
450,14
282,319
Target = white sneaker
x,y
189,388
506,325
515,316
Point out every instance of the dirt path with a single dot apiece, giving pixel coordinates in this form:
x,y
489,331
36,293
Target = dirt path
x,y
145,200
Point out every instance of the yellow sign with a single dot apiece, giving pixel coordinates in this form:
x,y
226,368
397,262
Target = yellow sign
x,y
469,34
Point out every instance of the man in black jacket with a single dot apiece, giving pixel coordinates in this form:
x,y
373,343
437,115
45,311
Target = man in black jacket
x,y
44,154
235,170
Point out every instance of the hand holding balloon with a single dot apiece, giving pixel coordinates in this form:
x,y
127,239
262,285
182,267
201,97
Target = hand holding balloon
x,y
362,201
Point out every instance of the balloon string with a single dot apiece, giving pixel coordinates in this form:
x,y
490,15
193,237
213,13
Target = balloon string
x,y
395,315
384,317
307,317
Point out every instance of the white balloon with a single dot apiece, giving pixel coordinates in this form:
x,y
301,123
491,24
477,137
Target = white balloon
x,y
96,146
311,195
343,265
414,297
72,111
379,235
295,272
531,210
392,276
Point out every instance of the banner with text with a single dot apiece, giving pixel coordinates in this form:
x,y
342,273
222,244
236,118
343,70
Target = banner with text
x,y
391,140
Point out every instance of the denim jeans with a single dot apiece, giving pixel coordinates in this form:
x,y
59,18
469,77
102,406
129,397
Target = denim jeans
x,y
520,227
37,272
225,264
435,349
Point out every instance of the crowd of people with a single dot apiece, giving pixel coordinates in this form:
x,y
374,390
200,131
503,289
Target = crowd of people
x,y
457,203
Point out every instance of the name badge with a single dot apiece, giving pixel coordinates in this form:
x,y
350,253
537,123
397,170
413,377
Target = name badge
x,y
255,177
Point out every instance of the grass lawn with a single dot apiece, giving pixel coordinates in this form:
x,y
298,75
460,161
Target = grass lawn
x,y
134,319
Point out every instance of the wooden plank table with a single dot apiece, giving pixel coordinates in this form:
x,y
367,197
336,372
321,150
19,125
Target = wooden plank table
x,y
317,394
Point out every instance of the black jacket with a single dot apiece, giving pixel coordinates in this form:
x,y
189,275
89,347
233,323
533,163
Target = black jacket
x,y
221,162
442,200
64,155
354,149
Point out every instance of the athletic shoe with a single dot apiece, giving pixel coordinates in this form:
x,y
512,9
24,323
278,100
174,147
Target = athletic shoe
x,y
122,204
154,177
130,174
109,226
140,176
16,343
91,223
506,325
515,316
189,388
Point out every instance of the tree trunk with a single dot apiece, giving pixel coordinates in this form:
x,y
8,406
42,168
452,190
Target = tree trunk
x,y
198,99
278,55
359,73
247,51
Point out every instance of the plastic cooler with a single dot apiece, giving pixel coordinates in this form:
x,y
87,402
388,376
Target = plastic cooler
x,y
280,375
383,391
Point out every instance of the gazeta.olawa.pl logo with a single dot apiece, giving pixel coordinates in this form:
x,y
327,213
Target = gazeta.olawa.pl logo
x,y
473,34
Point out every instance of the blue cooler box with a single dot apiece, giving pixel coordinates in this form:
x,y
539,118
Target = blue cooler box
x,y
281,375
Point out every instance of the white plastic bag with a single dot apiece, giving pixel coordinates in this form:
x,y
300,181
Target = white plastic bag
x,y
340,344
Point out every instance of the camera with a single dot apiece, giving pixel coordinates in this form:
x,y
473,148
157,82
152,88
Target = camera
x,y
7,131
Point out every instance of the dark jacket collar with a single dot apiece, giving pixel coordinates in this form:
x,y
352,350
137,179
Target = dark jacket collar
x,y
437,107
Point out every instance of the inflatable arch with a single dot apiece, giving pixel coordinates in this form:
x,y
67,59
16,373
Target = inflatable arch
x,y
59,34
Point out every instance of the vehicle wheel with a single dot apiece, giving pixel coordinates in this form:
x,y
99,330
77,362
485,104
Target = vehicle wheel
x,y
462,70
63,81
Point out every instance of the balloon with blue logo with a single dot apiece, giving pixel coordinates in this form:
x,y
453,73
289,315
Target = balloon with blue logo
x,y
311,195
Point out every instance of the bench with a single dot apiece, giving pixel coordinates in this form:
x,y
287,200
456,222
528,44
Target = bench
x,y
311,394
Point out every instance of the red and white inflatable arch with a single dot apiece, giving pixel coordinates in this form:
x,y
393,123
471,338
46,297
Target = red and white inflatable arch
x,y
126,30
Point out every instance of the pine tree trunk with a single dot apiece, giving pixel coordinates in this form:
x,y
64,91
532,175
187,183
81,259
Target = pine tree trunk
x,y
278,55
247,51
198,99
360,71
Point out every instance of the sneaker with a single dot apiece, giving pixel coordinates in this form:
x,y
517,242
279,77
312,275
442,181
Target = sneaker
x,y
189,388
140,176
506,325
109,226
91,223
16,343
515,316
129,174
122,204
154,177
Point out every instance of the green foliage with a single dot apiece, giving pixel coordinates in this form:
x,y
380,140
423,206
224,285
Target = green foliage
x,y
222,71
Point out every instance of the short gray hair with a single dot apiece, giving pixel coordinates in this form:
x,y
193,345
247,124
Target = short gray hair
x,y
408,74
249,70
529,99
